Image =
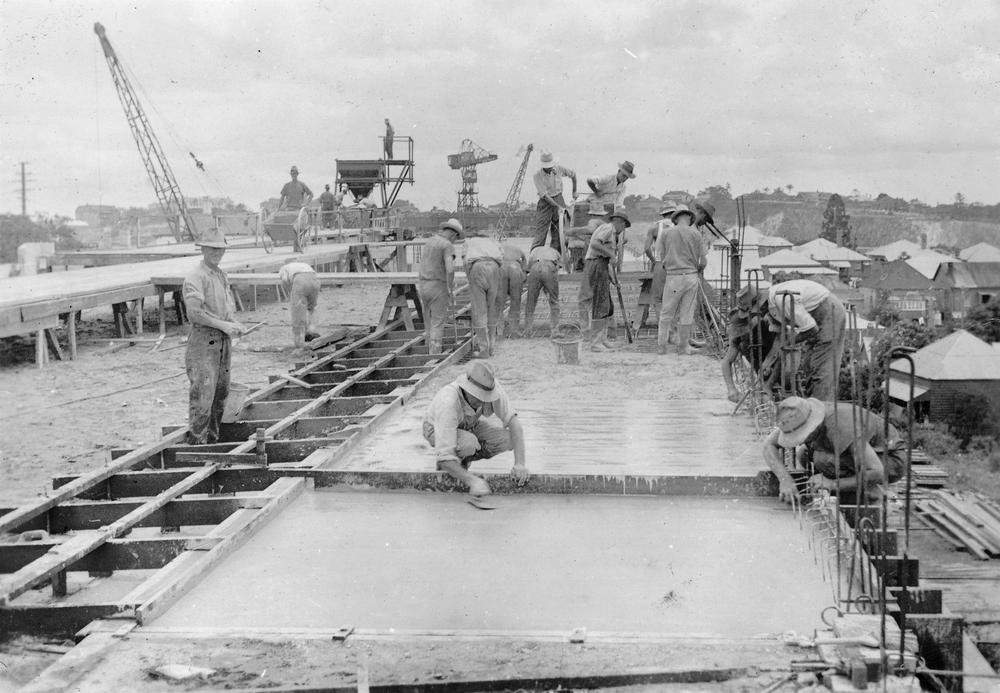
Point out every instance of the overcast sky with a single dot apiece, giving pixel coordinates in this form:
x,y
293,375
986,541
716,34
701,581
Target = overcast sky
x,y
898,97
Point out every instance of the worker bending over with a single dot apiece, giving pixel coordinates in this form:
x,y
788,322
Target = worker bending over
x,y
548,183
751,338
459,424
824,432
302,286
651,290
207,359
683,259
483,258
512,275
436,280
819,320
543,274
594,299
609,190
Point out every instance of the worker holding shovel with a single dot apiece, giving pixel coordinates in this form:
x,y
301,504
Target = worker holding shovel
x,y
210,309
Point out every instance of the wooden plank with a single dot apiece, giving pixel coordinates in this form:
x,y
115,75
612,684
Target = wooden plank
x,y
55,306
140,483
116,554
193,459
11,521
65,554
58,619
18,328
64,672
184,573
78,516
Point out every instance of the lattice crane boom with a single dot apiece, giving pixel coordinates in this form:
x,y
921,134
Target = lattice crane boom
x,y
513,196
168,192
466,160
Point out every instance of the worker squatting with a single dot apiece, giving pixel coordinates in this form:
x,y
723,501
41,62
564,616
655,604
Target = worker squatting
x,y
473,418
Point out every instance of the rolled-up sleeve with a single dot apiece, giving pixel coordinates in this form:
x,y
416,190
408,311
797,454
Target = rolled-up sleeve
x,y
445,419
502,407
193,292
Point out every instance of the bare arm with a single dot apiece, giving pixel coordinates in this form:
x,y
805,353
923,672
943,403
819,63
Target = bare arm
x,y
874,474
772,455
449,268
732,353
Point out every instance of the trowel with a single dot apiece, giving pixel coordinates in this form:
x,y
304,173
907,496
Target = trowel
x,y
482,502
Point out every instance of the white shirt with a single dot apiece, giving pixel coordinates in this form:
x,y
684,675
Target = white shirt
x,y
288,272
448,412
479,247
808,295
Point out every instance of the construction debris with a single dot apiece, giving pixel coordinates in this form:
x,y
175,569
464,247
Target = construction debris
x,y
969,521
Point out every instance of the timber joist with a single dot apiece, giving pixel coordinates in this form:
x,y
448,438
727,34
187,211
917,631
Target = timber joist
x,y
149,524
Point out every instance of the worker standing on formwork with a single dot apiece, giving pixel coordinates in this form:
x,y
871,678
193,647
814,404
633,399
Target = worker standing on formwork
x,y
512,275
543,274
327,203
683,261
594,298
302,286
609,190
389,134
548,183
819,320
483,259
209,347
651,290
436,280
295,194
828,430
457,425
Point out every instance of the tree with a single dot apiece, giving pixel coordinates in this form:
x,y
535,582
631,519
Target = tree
x,y
15,230
883,314
959,199
901,334
984,321
837,223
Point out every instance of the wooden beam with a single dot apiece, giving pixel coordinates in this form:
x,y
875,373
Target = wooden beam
x,y
65,671
80,516
145,483
941,640
11,521
116,554
58,619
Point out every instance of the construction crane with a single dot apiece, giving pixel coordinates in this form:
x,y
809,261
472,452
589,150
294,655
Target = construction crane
x,y
466,160
160,175
513,196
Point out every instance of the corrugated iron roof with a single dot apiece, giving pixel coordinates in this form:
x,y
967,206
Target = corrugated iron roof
x,y
959,356
927,262
894,250
822,250
898,275
981,252
970,275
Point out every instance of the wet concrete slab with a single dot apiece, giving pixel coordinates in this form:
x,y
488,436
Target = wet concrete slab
x,y
425,561
641,437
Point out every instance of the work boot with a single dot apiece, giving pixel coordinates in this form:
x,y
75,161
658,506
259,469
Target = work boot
x,y
684,339
598,335
478,487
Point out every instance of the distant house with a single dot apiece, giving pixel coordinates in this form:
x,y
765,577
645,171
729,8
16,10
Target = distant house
x,y
981,252
678,197
894,251
959,364
98,215
787,260
754,238
847,262
910,293
927,262
968,284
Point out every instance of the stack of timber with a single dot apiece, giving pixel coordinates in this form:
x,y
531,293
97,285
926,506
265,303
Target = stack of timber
x,y
925,474
969,521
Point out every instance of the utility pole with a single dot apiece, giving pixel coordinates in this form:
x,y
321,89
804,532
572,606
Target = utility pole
x,y
24,189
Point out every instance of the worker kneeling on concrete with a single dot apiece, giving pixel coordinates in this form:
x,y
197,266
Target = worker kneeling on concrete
x,y
822,432
302,286
458,425
209,347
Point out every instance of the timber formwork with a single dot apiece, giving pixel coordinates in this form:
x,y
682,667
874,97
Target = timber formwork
x,y
126,541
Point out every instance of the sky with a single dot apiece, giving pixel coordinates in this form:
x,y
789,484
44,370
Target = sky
x,y
896,96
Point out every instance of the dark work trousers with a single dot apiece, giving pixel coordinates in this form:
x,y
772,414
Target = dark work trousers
x,y
547,223
207,361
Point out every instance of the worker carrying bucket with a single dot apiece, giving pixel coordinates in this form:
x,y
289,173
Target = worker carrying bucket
x,y
459,425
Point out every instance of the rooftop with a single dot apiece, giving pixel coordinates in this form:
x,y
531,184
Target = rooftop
x,y
959,356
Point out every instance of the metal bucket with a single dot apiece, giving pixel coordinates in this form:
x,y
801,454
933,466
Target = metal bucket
x,y
568,341
234,402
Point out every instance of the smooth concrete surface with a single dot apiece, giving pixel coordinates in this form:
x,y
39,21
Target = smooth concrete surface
x,y
426,561
642,437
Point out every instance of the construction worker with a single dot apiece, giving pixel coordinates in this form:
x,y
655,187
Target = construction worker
x,y
483,259
295,194
327,203
512,276
548,183
651,290
543,273
610,189
436,279
751,338
389,134
457,424
595,287
683,259
819,322
302,286
828,431
207,359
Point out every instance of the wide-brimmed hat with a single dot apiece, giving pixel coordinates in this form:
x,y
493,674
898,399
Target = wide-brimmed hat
x,y
480,382
679,210
548,160
295,169
668,209
627,167
707,207
621,214
797,418
453,225
212,238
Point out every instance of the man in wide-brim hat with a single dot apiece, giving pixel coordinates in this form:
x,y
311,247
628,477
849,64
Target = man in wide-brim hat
x,y
436,280
610,189
548,184
682,255
458,425
651,290
594,298
210,310
826,432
